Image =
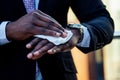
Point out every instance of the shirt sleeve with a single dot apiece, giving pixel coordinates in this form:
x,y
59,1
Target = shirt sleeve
x,y
86,38
3,38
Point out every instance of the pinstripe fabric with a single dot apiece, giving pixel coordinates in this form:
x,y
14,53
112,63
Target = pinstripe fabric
x,y
29,5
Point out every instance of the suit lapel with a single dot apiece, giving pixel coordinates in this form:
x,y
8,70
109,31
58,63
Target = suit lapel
x,y
20,5
42,5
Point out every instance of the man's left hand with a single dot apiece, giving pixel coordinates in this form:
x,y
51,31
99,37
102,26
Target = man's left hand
x,y
42,46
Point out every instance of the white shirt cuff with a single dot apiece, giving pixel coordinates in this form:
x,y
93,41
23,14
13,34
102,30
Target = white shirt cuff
x,y
86,38
3,39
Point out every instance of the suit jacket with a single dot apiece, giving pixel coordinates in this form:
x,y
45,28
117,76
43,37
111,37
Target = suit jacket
x,y
14,64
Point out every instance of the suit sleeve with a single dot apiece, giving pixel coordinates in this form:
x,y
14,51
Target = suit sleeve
x,y
94,15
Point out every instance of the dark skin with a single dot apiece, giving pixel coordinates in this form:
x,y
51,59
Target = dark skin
x,y
41,46
34,23
38,22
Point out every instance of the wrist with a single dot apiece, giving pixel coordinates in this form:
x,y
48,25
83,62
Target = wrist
x,y
80,29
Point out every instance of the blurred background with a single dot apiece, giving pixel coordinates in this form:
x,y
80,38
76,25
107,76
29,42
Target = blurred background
x,y
103,64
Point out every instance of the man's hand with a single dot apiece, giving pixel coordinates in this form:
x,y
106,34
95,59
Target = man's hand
x,y
34,23
41,47
67,46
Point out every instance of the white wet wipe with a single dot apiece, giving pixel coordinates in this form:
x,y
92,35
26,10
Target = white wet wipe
x,y
56,40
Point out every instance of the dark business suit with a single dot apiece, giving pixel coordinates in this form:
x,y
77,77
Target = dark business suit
x,y
14,64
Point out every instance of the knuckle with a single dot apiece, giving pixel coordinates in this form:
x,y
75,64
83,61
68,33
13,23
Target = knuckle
x,y
33,13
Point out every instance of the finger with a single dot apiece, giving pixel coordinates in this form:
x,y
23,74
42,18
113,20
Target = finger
x,y
33,43
60,48
42,13
50,20
48,17
38,46
43,24
44,49
44,31
54,50
50,23
40,16
39,53
37,57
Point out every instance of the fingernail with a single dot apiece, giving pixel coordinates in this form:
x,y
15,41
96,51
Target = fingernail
x,y
28,46
51,51
29,55
36,53
57,34
54,51
65,34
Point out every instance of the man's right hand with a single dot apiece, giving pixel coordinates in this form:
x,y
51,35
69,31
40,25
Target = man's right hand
x,y
34,23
